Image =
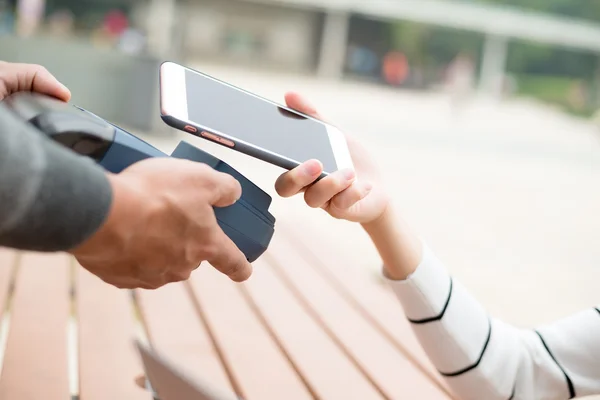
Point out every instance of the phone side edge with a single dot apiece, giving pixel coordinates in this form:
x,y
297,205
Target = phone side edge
x,y
266,156
251,151
339,147
173,91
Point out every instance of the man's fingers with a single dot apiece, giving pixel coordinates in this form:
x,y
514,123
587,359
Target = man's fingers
x,y
322,191
32,78
228,259
225,189
43,81
292,182
179,276
352,195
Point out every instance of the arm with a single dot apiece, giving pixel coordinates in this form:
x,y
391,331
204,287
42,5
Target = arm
x,y
150,225
482,357
50,198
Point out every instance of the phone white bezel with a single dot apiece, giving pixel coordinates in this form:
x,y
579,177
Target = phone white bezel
x,y
173,102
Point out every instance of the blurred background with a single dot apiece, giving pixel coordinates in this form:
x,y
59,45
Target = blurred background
x,y
483,114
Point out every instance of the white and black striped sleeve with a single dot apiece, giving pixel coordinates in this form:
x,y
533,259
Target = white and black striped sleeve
x,y
485,358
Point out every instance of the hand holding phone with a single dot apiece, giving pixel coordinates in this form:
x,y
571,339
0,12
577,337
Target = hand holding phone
x,y
214,110
341,194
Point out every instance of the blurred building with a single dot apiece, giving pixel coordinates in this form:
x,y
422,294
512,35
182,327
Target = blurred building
x,y
332,38
242,31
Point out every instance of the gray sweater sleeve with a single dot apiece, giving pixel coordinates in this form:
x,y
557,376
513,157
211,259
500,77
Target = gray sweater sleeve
x,y
51,199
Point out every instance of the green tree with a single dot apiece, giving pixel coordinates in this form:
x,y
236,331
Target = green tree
x,y
431,48
411,38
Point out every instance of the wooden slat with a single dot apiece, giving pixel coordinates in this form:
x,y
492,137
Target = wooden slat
x,y
35,364
7,265
108,362
387,367
371,297
326,368
174,328
259,368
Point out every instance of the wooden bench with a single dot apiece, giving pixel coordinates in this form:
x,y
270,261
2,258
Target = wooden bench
x,y
308,324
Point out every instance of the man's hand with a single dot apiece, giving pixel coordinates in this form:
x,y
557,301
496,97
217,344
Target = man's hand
x,y
30,78
162,226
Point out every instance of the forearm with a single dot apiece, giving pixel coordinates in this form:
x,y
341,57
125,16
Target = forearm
x,y
50,198
482,357
400,249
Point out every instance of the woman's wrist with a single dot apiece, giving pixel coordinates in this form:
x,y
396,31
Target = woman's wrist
x,y
400,249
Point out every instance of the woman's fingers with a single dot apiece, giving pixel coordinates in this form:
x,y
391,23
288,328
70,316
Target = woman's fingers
x,y
339,190
292,182
352,195
296,180
299,103
324,190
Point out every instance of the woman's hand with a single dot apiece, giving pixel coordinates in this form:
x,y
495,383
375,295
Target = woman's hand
x,y
30,78
355,196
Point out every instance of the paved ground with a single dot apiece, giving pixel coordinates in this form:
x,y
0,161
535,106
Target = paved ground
x,y
507,194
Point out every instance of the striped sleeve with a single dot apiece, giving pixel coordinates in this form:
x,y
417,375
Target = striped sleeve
x,y
484,358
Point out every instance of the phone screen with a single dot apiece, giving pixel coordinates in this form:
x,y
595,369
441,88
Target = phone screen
x,y
242,116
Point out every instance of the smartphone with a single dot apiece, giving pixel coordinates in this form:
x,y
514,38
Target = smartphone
x,y
217,111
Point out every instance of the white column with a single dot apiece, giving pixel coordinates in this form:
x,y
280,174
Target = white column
x,y
30,14
333,45
596,85
493,65
160,23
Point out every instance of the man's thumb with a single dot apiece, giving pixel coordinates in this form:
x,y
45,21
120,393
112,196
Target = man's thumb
x,y
227,190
